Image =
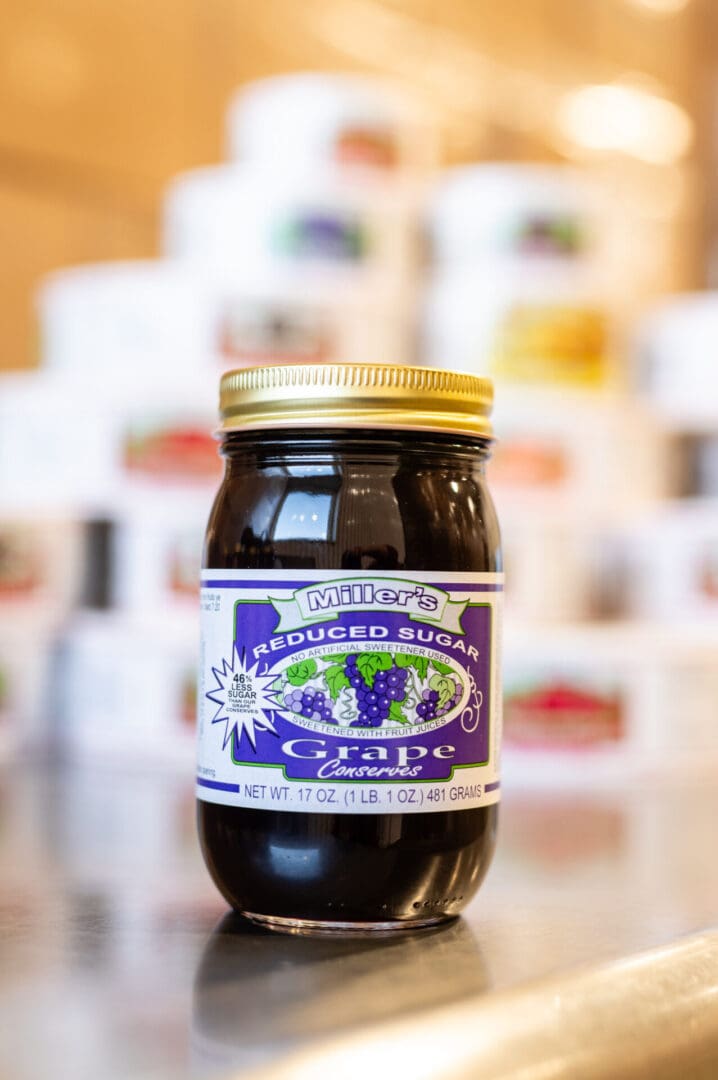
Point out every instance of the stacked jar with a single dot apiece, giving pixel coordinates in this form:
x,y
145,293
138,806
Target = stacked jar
x,y
514,290
322,201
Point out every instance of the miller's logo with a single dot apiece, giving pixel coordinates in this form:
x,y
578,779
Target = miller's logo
x,y
324,602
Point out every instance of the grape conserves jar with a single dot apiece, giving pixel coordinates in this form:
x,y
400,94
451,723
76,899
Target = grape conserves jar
x,y
350,690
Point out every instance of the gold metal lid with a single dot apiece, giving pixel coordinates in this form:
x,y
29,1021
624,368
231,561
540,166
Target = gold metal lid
x,y
355,396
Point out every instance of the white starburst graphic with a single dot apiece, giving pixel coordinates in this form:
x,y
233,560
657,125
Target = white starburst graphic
x,y
244,700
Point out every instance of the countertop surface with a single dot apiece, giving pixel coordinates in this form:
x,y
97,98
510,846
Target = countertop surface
x,y
119,959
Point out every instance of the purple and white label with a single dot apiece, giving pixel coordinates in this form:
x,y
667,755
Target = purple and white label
x,y
349,692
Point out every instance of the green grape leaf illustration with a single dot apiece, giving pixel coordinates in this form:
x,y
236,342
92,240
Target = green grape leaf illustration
x,y
369,663
443,669
397,714
336,680
444,687
300,673
419,663
422,666
337,658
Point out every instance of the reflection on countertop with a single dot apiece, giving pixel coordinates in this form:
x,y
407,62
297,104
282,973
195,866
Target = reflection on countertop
x,y
258,994
112,934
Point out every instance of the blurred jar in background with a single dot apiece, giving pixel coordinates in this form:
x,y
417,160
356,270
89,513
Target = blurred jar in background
x,y
595,706
309,222
675,369
155,316
355,124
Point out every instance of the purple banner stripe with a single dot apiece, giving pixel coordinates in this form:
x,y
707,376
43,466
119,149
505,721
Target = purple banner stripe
x,y
217,785
302,584
493,787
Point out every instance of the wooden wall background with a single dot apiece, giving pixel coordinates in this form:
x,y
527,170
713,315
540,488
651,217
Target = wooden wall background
x,y
101,102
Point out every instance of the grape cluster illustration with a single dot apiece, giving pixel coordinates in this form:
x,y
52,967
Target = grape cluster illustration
x,y
430,706
370,689
309,703
374,699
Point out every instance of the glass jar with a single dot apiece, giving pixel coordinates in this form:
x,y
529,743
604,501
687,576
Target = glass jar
x,y
349,717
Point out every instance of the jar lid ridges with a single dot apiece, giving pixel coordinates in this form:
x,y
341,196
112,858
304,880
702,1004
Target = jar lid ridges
x,y
355,395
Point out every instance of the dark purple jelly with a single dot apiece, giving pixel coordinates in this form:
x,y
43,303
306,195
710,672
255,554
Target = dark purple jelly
x,y
378,500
